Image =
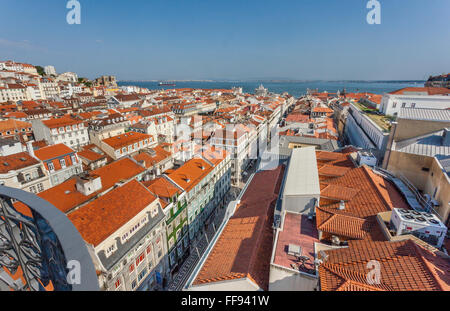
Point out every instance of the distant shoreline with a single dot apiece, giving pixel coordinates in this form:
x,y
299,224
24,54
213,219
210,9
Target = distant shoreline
x,y
279,81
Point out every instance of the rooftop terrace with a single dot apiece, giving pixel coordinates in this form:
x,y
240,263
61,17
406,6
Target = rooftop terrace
x,y
381,120
297,230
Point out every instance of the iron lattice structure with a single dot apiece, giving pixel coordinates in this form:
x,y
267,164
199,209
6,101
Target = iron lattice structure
x,y
37,242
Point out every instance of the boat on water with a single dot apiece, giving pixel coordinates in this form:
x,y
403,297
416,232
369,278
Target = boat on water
x,y
166,84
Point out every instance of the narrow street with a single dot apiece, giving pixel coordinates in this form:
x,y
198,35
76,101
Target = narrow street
x,y
199,246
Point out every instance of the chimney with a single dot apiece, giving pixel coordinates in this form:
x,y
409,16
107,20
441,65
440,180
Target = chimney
x,y
342,205
88,184
30,149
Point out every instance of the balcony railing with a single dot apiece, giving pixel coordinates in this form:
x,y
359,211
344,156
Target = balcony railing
x,y
23,180
40,249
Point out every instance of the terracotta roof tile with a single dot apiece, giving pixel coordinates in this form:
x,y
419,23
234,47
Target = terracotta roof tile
x,y
16,161
100,218
126,139
54,151
66,197
403,267
245,245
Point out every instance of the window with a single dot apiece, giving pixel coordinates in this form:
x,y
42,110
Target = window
x,y
142,274
394,105
140,259
118,283
133,284
63,162
403,105
110,249
131,269
413,105
149,249
40,187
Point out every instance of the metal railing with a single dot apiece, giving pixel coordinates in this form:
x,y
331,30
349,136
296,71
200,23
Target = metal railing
x,y
419,197
426,206
40,248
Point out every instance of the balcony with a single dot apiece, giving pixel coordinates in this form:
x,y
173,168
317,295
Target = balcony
x,y
23,179
41,241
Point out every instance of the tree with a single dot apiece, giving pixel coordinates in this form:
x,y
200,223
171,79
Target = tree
x,y
40,70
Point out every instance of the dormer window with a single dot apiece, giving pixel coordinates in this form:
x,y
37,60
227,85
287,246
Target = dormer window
x,y
110,250
154,211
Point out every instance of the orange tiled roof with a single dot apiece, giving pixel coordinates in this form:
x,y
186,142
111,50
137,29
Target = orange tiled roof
x,y
100,218
405,266
65,196
161,187
365,199
54,151
11,124
126,139
347,226
323,109
428,90
191,173
245,245
160,155
88,153
364,193
16,161
60,122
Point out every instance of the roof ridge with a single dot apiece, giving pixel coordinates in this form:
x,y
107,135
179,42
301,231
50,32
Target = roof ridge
x,y
339,212
420,254
354,277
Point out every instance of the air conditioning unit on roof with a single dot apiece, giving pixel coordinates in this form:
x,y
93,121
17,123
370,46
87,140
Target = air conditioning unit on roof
x,y
426,226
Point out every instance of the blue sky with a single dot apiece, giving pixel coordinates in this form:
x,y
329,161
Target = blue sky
x,y
228,39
